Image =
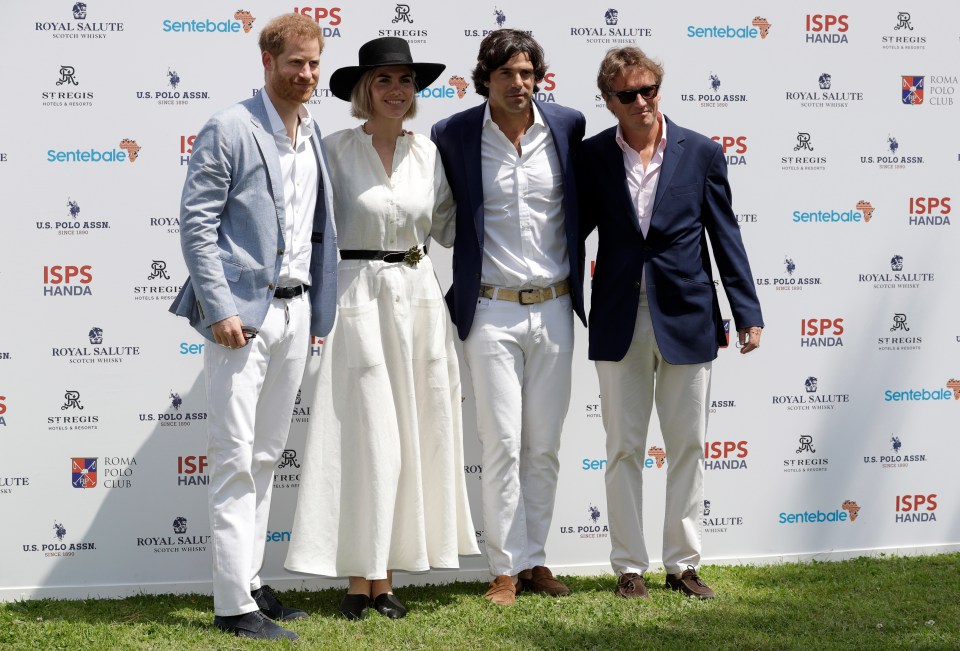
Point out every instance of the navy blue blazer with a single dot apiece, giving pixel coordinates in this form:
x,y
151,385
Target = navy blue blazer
x,y
458,139
692,201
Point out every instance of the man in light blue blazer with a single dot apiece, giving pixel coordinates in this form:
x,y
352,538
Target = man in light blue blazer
x,y
517,282
258,239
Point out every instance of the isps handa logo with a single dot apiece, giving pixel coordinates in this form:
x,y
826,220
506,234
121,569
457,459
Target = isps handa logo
x,y
821,332
591,527
328,18
929,211
916,508
241,21
827,29
127,152
848,512
69,221
81,26
734,149
192,470
67,280
58,543
3,411
949,391
758,28
725,455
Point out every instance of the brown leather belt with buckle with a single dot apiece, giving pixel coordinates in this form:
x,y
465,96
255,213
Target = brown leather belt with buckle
x,y
526,296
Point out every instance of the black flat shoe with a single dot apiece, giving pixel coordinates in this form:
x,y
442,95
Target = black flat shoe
x,y
253,625
354,606
388,605
270,606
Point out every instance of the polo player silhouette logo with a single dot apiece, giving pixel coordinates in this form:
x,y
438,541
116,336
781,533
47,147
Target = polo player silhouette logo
x,y
594,513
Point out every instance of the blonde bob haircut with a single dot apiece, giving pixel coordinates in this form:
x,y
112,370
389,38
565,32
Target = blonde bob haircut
x,y
361,106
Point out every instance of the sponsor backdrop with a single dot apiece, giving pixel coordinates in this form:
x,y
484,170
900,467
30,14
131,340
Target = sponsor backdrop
x,y
834,439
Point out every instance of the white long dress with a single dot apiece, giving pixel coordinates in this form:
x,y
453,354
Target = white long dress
x,y
382,484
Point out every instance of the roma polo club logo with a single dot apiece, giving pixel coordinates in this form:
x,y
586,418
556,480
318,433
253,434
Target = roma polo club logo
x,y
912,89
328,18
127,151
848,512
83,472
759,27
894,456
935,90
61,27
69,222
242,20
67,280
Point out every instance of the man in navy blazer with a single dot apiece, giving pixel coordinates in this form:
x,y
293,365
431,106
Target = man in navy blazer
x,y
258,239
655,192
517,281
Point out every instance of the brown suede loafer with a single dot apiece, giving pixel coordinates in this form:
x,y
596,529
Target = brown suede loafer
x,y
630,585
690,584
502,591
540,580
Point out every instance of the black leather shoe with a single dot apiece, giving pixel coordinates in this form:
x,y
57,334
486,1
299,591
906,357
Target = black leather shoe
x,y
354,606
388,605
253,625
270,606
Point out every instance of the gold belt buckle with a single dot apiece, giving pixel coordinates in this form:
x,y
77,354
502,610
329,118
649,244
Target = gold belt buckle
x,y
532,293
412,256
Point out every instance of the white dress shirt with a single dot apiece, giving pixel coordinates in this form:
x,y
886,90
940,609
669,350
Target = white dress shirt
x,y
298,168
525,241
643,181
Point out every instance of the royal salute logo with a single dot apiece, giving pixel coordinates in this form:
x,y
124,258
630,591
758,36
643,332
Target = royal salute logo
x,y
127,151
827,29
820,92
821,332
58,544
899,336
192,470
811,398
715,522
609,30
287,474
328,18
892,158
848,512
758,28
902,35
181,541
83,472
805,156
789,279
68,92
161,287
900,276
711,96
805,457
747,218
734,149
403,25
929,211
61,27
10,485
70,223
74,415
319,94
301,410
96,353
240,21
174,415
948,392
591,527
725,455
916,508
893,456
173,94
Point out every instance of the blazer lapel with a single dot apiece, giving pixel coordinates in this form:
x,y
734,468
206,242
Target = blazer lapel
x,y
268,150
671,160
473,169
613,164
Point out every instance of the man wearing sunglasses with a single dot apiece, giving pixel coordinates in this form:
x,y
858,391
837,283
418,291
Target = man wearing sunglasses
x,y
655,192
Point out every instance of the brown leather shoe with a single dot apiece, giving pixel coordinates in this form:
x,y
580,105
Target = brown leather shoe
x,y
540,580
690,584
502,591
630,585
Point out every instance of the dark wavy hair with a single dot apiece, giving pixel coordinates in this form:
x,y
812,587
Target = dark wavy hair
x,y
501,45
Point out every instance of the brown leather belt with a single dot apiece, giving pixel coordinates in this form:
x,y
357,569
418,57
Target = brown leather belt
x,y
526,296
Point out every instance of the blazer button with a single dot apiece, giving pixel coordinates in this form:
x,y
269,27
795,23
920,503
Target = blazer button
x,y
271,286
279,251
637,284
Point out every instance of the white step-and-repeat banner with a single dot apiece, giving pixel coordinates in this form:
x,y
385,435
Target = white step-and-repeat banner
x,y
840,130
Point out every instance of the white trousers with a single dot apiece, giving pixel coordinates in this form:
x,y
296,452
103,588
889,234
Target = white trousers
x,y
250,396
628,389
519,358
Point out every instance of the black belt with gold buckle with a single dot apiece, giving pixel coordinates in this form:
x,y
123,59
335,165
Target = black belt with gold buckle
x,y
411,256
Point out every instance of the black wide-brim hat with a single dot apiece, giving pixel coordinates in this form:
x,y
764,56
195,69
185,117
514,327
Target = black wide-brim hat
x,y
386,51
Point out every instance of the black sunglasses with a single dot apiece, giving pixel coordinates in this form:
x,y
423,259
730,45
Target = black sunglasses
x,y
630,96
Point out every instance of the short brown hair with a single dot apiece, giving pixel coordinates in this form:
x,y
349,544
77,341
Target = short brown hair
x,y
284,28
501,45
618,59
361,106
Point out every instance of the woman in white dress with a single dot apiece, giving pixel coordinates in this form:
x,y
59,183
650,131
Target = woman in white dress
x,y
382,486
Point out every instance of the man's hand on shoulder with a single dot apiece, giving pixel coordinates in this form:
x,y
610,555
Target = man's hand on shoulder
x,y
749,338
229,333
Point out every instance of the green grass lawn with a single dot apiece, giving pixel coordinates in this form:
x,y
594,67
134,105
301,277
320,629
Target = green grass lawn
x,y
868,603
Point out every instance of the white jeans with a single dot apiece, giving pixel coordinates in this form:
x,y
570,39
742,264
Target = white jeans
x,y
519,358
250,396
628,389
